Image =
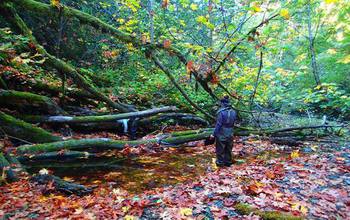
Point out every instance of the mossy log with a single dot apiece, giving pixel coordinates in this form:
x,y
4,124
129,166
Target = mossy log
x,y
56,156
24,131
6,172
245,209
22,84
61,185
174,118
72,95
98,118
28,102
101,144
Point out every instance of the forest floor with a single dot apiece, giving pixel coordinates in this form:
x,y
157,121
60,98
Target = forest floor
x,y
311,181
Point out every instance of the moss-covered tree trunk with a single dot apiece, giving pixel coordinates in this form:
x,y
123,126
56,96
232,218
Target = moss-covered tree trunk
x,y
28,102
6,173
24,131
98,118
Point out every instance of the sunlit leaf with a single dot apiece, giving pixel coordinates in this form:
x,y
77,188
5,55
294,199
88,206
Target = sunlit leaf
x,y
55,3
186,211
294,154
285,13
194,7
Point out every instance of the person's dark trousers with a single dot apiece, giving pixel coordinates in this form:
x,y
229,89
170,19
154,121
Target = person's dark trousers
x,y
224,151
133,128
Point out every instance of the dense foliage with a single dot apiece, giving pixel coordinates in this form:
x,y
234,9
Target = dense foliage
x,y
272,64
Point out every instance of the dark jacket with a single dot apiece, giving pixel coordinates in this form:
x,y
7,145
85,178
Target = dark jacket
x,y
226,118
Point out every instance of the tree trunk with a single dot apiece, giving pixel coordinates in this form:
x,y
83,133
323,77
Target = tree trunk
x,y
61,185
184,94
24,131
151,20
28,102
312,46
176,118
98,118
56,156
6,173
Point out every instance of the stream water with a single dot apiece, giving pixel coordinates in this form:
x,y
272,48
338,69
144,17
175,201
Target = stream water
x,y
135,174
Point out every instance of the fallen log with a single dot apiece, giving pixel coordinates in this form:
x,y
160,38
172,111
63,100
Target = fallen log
x,y
28,102
304,128
171,139
6,172
21,84
82,144
97,118
61,185
98,144
174,118
24,131
56,156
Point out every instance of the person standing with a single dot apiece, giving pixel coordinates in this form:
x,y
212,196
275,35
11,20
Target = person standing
x,y
223,133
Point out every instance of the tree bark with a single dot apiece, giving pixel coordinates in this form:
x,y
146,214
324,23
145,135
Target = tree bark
x,y
61,185
98,118
6,173
184,94
178,118
24,131
56,156
311,39
28,102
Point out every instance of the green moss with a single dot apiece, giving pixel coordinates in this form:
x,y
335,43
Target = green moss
x,y
9,174
246,209
24,131
24,100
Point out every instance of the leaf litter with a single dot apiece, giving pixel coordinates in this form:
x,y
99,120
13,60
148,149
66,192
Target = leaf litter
x,y
184,183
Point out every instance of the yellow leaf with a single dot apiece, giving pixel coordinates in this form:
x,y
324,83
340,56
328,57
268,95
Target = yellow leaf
x,y
344,60
129,217
78,211
194,7
68,179
332,51
186,211
285,13
255,7
314,148
201,19
330,1
295,154
303,210
55,3
125,208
